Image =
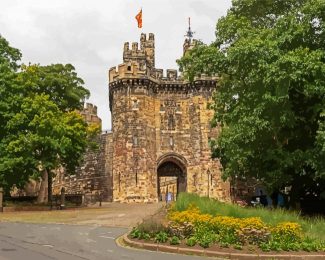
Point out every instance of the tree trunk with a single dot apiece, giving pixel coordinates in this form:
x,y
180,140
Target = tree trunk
x,y
49,186
43,192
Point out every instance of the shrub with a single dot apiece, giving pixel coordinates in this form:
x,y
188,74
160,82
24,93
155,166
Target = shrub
x,y
175,240
191,241
135,233
310,244
161,237
238,246
287,232
206,240
204,236
145,236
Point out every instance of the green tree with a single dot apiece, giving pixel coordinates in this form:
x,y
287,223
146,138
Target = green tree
x,y
9,58
270,101
59,81
40,128
43,136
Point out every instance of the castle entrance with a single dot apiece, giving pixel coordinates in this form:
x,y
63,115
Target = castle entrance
x,y
171,180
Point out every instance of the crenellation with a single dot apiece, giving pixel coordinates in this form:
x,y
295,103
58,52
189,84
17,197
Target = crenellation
x,y
151,37
155,115
171,74
126,46
89,114
135,48
159,73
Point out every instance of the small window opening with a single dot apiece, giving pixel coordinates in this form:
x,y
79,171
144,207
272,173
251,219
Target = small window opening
x,y
135,104
171,141
135,140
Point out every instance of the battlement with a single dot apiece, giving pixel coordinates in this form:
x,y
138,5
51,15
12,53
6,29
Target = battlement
x,y
90,109
126,70
134,52
167,75
139,61
131,70
89,113
145,55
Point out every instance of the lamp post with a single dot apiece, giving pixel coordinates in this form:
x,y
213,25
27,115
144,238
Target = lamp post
x,y
208,172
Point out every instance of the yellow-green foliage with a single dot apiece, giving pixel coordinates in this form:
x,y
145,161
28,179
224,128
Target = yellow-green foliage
x,y
288,230
247,230
194,216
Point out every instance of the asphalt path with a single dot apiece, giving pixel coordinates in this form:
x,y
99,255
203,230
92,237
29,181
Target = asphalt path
x,y
71,242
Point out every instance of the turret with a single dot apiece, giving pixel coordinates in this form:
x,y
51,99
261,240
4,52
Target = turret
x,y
89,113
145,55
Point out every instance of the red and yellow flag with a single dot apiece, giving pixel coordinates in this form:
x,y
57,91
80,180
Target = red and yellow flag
x,y
139,19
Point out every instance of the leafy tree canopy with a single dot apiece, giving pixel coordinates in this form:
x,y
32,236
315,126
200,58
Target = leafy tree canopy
x,y
270,100
40,128
59,81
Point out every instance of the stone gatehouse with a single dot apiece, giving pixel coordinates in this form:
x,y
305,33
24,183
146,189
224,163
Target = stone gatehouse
x,y
159,142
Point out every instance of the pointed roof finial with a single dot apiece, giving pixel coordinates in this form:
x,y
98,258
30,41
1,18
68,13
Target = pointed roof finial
x,y
189,33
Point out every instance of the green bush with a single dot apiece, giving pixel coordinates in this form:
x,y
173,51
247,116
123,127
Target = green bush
x,y
238,246
205,239
175,240
135,233
191,241
161,237
145,236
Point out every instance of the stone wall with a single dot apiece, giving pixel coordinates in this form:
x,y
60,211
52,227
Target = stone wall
x,y
94,176
158,119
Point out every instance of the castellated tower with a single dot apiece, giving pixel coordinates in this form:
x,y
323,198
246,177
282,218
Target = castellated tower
x,y
160,130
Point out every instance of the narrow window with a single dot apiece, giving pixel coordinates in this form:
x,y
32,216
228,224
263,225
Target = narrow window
x,y
171,141
135,104
119,181
135,140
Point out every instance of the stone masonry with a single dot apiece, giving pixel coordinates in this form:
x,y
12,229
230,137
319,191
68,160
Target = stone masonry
x,y
160,128
160,135
93,177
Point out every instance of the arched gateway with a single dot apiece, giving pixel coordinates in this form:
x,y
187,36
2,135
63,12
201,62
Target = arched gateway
x,y
157,115
171,176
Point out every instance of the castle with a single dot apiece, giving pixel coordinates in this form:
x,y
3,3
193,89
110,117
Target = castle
x,y
159,142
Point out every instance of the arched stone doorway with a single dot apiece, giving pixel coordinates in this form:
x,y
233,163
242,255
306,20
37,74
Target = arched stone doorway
x,y
171,177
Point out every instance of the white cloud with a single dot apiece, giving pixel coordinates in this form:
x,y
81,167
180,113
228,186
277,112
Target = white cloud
x,y
90,34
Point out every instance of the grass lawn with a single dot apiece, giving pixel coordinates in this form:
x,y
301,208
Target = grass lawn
x,y
314,227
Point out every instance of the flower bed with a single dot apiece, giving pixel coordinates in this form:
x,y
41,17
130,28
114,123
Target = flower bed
x,y
193,228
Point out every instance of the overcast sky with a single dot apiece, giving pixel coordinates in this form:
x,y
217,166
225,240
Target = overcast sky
x,y
90,34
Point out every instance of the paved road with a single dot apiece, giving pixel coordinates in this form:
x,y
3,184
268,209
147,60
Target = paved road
x,y
71,242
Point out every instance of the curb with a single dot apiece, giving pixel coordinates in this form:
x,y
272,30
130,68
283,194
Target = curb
x,y
209,253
